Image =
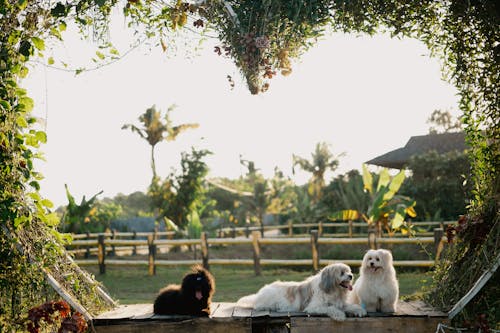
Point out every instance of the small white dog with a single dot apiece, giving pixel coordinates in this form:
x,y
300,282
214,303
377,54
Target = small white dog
x,y
323,293
376,289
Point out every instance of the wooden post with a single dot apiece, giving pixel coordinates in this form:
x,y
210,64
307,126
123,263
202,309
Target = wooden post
x,y
151,255
320,229
247,231
262,229
87,252
101,254
290,229
155,232
350,228
372,239
134,249
233,231
256,252
204,250
438,244
314,249
113,236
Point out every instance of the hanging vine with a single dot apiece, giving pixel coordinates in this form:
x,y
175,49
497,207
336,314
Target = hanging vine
x,y
262,37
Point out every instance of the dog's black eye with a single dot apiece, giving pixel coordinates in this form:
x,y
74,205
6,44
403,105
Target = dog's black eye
x,y
378,259
198,278
369,258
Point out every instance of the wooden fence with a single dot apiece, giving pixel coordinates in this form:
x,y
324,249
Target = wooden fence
x,y
255,241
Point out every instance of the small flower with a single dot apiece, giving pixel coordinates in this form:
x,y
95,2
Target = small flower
x,y
262,42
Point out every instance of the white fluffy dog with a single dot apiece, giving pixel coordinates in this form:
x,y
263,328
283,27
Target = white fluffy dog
x,y
376,289
323,293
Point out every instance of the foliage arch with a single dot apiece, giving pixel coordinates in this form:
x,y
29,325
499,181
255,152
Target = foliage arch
x,y
261,37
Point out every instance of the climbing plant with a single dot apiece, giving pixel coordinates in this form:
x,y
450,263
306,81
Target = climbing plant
x,y
261,37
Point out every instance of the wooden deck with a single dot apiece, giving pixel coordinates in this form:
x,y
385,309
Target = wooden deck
x,y
411,317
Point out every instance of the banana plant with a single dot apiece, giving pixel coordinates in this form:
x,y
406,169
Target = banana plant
x,y
387,209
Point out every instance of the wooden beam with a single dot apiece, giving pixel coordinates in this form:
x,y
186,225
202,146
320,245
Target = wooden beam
x,y
474,290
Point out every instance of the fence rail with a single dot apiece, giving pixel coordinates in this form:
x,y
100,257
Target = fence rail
x,y
104,244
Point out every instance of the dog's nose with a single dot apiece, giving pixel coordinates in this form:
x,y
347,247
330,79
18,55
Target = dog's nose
x,y
349,276
372,264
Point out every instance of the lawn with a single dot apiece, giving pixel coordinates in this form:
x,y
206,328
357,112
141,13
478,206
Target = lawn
x,y
133,285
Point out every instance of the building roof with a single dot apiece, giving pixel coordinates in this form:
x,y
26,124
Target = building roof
x,y
418,145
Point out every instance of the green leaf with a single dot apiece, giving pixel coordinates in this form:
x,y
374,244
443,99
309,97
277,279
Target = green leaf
x,y
35,185
52,219
22,4
397,181
397,221
50,61
384,178
47,203
100,55
367,179
345,215
26,104
62,26
170,224
41,136
23,72
21,122
59,10
39,43
5,105
25,48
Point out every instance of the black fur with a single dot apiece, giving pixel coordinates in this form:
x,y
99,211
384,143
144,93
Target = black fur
x,y
181,299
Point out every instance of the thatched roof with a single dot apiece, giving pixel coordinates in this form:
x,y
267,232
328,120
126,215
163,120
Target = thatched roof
x,y
417,145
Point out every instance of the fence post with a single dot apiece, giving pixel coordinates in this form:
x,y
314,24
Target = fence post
x,y
233,231
101,254
350,228
247,231
204,250
320,229
438,243
151,255
314,249
256,252
155,232
372,239
134,249
262,229
87,252
290,229
113,236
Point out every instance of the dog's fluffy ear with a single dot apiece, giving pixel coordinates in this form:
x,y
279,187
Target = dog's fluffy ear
x,y
328,278
386,257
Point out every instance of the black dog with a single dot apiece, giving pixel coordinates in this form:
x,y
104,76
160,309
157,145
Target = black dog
x,y
193,297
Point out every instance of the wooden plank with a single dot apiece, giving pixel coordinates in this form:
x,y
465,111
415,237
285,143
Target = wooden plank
x,y
126,311
213,308
224,310
240,312
475,289
427,310
198,325
260,313
362,325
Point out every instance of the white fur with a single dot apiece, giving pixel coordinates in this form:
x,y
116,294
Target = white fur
x,y
323,293
376,289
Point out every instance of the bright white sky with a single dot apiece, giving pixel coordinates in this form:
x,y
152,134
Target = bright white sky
x,y
363,95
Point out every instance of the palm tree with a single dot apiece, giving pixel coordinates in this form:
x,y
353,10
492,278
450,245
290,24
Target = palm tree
x,y
322,161
155,129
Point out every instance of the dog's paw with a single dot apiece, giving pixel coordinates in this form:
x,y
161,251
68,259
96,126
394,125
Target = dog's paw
x,y
359,312
336,315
